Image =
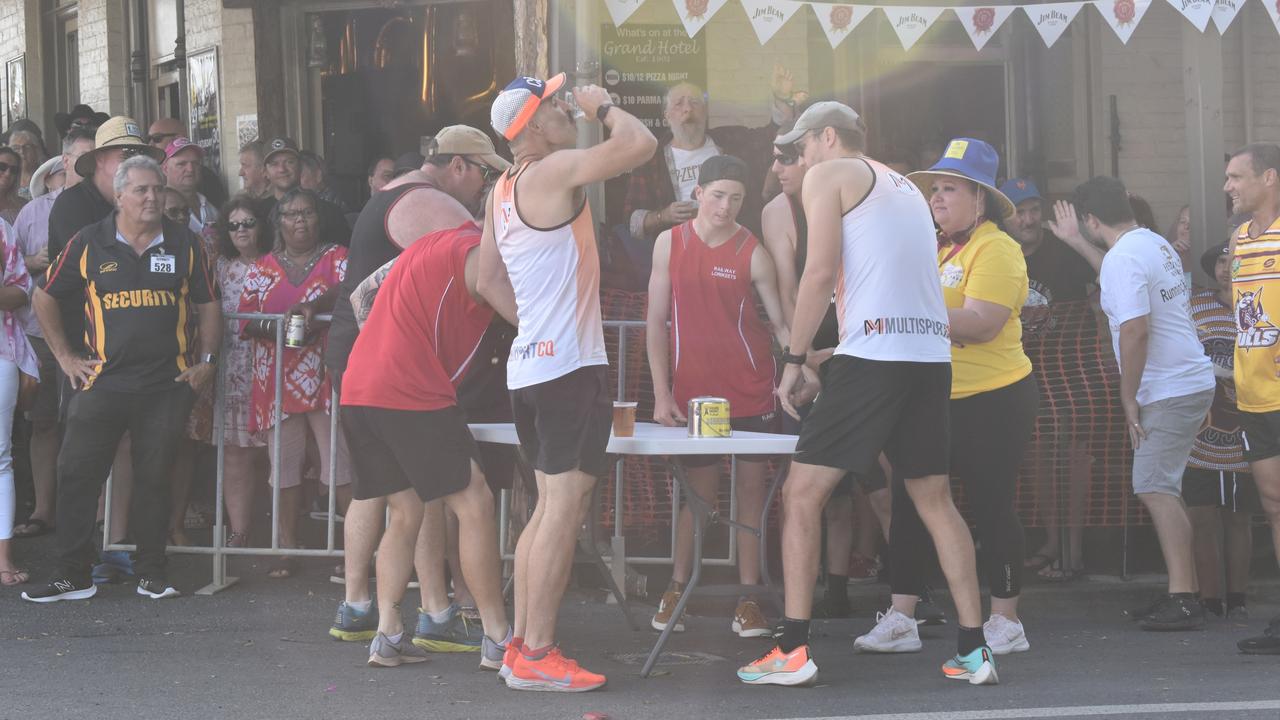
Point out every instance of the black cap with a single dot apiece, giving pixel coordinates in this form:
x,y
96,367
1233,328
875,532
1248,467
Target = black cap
x,y
408,162
279,145
722,167
1210,258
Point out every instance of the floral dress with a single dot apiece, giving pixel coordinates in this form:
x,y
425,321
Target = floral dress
x,y
237,365
306,384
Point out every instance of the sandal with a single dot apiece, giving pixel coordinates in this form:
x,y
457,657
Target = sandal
x,y
236,540
13,577
282,568
34,527
1055,573
1037,562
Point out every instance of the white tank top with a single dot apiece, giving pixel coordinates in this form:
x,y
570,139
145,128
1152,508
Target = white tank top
x,y
888,298
555,273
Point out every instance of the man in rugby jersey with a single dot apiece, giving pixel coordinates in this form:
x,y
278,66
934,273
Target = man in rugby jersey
x,y
1253,183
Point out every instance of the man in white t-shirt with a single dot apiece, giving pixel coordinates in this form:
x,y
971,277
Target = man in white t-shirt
x,y
1166,381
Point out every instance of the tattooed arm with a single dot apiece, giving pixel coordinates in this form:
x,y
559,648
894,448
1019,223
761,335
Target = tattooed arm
x,y
362,297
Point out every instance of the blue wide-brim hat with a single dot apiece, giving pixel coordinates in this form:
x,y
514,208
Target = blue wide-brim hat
x,y
972,160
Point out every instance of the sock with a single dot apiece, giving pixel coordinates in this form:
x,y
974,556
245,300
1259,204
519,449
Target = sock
x,y
516,642
441,617
395,639
794,634
970,639
535,653
1213,605
837,587
360,607
1235,600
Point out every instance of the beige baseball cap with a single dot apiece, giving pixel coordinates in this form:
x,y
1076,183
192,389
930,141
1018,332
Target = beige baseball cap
x,y
466,140
117,132
820,115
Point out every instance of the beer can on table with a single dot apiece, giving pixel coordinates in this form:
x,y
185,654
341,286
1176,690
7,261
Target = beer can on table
x,y
296,331
709,417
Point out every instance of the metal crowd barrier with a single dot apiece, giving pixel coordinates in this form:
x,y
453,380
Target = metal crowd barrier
x,y
221,580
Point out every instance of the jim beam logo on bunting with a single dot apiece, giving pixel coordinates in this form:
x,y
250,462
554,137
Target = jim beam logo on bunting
x,y
768,16
910,24
1052,19
1197,12
1225,12
709,417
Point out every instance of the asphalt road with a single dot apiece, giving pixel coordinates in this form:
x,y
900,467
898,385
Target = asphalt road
x,y
260,650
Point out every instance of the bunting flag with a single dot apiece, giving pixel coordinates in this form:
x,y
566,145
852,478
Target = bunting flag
x,y
910,23
1052,19
695,14
1273,9
768,16
1197,12
838,21
622,10
1225,12
982,22
1124,15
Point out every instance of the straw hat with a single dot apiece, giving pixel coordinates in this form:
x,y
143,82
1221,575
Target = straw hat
x,y
116,132
968,159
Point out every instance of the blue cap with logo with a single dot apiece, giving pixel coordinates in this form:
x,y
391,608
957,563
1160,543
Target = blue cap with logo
x,y
1019,189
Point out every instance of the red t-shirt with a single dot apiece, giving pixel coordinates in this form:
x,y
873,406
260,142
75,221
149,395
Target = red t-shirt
x,y
423,330
719,344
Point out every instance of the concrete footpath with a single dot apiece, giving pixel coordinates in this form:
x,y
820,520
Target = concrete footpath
x,y
260,650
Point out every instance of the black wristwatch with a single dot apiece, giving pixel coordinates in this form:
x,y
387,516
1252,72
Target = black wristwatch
x,y
788,358
603,110
210,358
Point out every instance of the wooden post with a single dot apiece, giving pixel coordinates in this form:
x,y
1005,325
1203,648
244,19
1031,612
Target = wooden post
x,y
531,37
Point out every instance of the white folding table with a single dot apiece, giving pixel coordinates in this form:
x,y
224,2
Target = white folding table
x,y
651,439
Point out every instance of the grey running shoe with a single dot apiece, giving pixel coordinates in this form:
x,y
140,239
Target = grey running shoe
x,y
492,653
384,653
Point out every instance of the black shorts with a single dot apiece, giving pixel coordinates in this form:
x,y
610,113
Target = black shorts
x,y
869,482
44,412
767,423
1234,491
393,450
1260,434
499,463
870,406
564,423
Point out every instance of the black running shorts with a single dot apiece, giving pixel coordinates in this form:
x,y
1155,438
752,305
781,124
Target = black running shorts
x,y
564,423
870,406
393,450
1260,435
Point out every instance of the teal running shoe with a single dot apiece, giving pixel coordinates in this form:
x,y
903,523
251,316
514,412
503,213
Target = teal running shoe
x,y
351,625
456,634
978,667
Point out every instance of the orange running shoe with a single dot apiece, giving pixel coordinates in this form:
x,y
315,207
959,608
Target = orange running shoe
x,y
509,658
779,668
552,673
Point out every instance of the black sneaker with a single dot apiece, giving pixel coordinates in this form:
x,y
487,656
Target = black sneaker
x,y
156,589
1142,611
1267,644
62,589
1173,613
927,611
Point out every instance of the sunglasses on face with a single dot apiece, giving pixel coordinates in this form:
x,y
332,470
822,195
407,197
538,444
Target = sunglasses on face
x,y
296,215
247,224
161,138
10,169
131,152
787,160
485,170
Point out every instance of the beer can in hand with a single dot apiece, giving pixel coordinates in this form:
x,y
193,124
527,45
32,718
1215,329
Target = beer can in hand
x,y
295,332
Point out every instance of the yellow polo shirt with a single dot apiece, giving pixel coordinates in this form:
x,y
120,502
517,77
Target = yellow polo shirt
x,y
989,267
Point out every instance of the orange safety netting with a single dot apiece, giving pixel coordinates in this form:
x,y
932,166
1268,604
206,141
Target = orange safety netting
x,y
1077,470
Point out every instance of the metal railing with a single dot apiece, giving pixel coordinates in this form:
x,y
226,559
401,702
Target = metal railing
x,y
221,580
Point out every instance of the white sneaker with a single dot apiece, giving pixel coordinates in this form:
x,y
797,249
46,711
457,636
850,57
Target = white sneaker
x,y
893,633
1005,636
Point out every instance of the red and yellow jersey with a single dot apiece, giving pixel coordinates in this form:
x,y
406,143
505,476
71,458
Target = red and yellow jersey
x,y
1255,285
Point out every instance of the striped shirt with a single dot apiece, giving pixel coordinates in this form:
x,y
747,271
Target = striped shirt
x,y
1217,447
1255,279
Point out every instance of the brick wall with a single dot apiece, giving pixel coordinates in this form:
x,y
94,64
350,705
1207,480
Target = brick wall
x,y
208,24
13,40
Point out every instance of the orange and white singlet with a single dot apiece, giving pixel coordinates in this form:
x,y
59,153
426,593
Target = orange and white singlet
x,y
555,273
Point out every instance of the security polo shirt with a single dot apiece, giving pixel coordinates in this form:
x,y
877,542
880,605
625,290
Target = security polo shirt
x,y
138,313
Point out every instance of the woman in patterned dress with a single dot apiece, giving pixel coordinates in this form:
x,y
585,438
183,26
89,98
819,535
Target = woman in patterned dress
x,y
241,240
300,277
